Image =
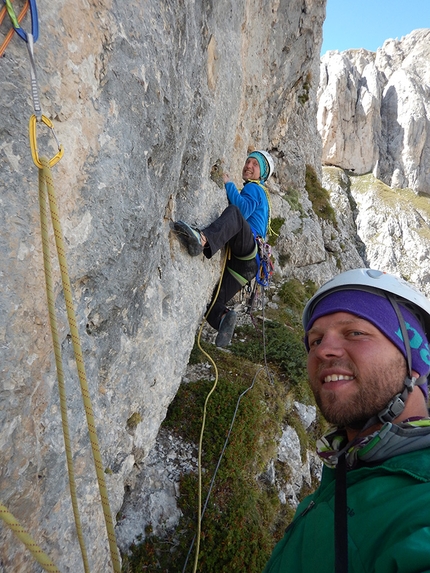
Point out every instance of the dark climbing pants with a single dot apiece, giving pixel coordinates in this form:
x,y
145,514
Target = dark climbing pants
x,y
231,229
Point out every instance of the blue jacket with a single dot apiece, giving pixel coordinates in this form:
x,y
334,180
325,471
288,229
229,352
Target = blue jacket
x,y
253,205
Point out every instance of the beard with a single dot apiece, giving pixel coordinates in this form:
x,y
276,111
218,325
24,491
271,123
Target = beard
x,y
374,390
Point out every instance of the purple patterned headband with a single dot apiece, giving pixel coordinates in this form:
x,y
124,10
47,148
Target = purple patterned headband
x,y
379,311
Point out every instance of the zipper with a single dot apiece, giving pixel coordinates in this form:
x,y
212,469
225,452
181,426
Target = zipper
x,y
304,512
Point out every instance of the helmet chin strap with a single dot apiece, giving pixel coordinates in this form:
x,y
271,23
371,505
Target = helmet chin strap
x,y
398,403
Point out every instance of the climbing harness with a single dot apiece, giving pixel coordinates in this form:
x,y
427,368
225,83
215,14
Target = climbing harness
x,y
264,250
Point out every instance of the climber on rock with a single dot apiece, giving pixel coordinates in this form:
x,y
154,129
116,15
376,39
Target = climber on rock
x,y
246,218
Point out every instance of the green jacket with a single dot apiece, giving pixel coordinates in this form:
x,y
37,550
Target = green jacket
x,y
388,521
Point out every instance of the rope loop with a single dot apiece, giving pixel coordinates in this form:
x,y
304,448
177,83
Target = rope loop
x,y
33,142
10,34
16,21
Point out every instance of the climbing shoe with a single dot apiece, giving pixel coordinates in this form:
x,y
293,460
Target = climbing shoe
x,y
189,237
226,329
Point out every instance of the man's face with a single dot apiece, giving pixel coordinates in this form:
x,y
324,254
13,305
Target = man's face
x,y
354,370
251,169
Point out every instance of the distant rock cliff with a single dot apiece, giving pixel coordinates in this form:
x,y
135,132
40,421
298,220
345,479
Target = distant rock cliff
x,y
393,225
374,120
374,111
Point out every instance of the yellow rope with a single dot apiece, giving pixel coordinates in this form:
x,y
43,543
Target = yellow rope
x,y
199,510
47,176
28,541
43,197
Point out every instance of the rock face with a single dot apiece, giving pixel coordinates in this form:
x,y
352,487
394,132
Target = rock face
x,y
393,225
374,111
145,100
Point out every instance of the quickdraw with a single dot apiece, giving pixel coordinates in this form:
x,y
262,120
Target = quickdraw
x,y
265,263
30,38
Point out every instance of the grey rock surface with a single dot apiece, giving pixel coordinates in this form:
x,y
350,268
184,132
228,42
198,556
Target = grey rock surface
x,y
145,100
392,225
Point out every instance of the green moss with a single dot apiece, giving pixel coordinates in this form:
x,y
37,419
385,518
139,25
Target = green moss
x,y
295,294
284,259
196,355
276,225
237,530
283,348
292,197
319,197
133,421
244,518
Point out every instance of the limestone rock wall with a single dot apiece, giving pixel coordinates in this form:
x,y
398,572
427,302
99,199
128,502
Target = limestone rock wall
x,y
144,97
374,111
392,224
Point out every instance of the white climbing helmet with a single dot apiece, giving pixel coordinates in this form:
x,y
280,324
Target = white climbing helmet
x,y
269,160
374,280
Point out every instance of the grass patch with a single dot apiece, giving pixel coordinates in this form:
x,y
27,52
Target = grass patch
x,y
319,197
292,197
244,518
295,294
284,348
276,225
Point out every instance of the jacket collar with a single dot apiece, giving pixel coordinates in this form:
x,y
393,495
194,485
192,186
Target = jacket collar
x,y
389,441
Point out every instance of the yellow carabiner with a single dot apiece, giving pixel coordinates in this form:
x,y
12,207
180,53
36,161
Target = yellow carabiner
x,y
33,142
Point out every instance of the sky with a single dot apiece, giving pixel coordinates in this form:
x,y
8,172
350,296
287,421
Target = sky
x,y
368,23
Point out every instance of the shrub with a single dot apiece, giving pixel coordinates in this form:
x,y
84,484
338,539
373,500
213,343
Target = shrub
x,y
319,197
296,294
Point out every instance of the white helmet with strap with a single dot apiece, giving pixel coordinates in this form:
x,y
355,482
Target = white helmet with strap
x,y
267,160
397,291
270,161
